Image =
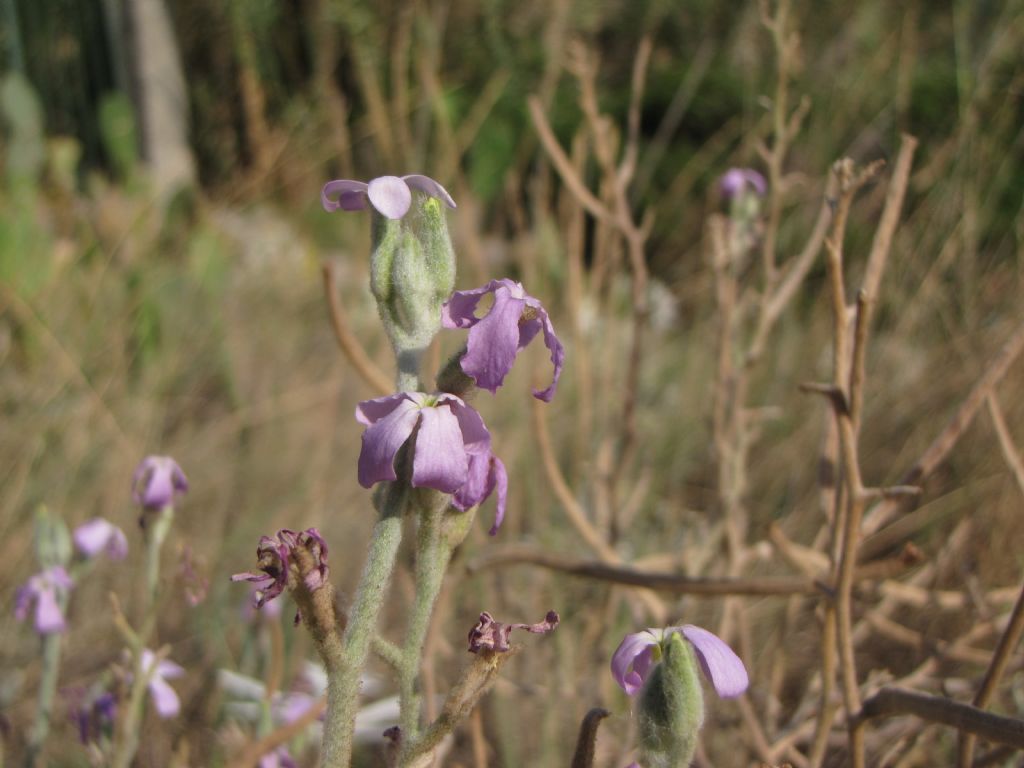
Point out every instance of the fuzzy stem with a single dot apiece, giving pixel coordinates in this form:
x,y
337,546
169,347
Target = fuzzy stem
x,y
156,533
47,689
343,671
432,556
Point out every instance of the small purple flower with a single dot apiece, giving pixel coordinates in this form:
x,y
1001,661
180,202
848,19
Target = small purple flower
x,y
391,196
637,654
99,535
92,711
158,480
736,180
495,339
493,635
45,589
448,433
165,699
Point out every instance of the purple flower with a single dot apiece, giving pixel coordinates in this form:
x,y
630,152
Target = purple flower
x,y
736,180
493,635
46,589
93,712
391,196
495,339
164,697
157,481
99,535
637,654
448,433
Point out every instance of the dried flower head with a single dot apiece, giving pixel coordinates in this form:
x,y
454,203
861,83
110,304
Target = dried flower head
x,y
305,551
493,635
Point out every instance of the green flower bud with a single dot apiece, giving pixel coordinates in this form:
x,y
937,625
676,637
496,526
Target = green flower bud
x,y
671,708
412,273
52,539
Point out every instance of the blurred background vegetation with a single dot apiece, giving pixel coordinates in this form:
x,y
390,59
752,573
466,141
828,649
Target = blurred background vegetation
x,y
188,319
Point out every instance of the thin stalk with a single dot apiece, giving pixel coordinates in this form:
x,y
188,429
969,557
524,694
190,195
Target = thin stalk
x,y
47,690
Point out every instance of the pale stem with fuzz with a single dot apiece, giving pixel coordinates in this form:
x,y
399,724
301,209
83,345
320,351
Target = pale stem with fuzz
x,y
47,690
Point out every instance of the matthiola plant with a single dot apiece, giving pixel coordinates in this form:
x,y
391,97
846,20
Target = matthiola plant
x,y
45,594
660,667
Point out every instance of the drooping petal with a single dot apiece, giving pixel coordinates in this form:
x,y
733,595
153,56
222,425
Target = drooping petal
x,y
430,187
382,440
557,354
159,491
440,460
625,657
494,342
460,309
165,699
156,481
721,665
390,196
49,617
498,480
345,194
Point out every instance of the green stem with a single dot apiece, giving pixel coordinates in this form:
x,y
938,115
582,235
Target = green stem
x,y
157,531
344,668
432,556
47,689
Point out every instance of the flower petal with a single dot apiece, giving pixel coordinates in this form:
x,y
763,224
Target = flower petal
x,y
382,440
557,354
99,535
440,459
165,699
389,195
494,342
429,186
49,618
625,657
351,195
721,665
371,411
459,310
475,436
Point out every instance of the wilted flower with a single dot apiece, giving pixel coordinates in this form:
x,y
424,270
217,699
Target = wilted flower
x,y
495,339
391,196
493,635
158,480
448,433
99,535
45,589
638,654
165,699
736,180
276,555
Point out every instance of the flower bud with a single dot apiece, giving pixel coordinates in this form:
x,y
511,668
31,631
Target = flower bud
x,y
671,708
412,273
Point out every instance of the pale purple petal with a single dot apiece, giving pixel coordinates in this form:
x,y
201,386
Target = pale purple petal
x,y
390,196
167,668
459,311
625,658
156,481
735,180
382,440
58,576
721,665
475,436
23,598
99,535
49,618
557,354
430,187
494,342
440,460
165,699
350,195
371,411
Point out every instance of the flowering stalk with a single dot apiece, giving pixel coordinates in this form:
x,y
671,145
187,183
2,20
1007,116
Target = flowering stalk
x,y
47,689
